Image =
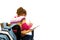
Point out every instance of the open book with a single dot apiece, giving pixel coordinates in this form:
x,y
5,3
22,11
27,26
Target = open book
x,y
35,27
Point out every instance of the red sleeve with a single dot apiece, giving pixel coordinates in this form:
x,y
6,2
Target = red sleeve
x,y
25,26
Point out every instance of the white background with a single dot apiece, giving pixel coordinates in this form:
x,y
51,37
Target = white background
x,y
45,13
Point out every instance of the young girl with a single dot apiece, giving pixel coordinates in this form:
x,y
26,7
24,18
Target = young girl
x,y
21,20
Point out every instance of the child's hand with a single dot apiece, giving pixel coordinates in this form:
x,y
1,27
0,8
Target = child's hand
x,y
30,24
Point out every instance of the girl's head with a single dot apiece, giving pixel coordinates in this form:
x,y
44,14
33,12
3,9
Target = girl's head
x,y
21,12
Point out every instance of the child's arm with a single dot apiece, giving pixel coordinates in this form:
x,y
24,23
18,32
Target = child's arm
x,y
26,26
26,31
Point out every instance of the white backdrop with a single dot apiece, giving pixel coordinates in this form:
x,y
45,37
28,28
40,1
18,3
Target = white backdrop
x,y
45,13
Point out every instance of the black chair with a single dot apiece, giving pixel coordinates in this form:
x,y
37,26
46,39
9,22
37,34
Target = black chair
x,y
18,33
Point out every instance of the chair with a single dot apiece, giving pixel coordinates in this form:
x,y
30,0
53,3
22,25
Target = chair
x,y
18,33
15,35
9,30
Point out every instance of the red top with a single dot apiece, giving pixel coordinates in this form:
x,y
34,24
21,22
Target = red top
x,y
25,26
